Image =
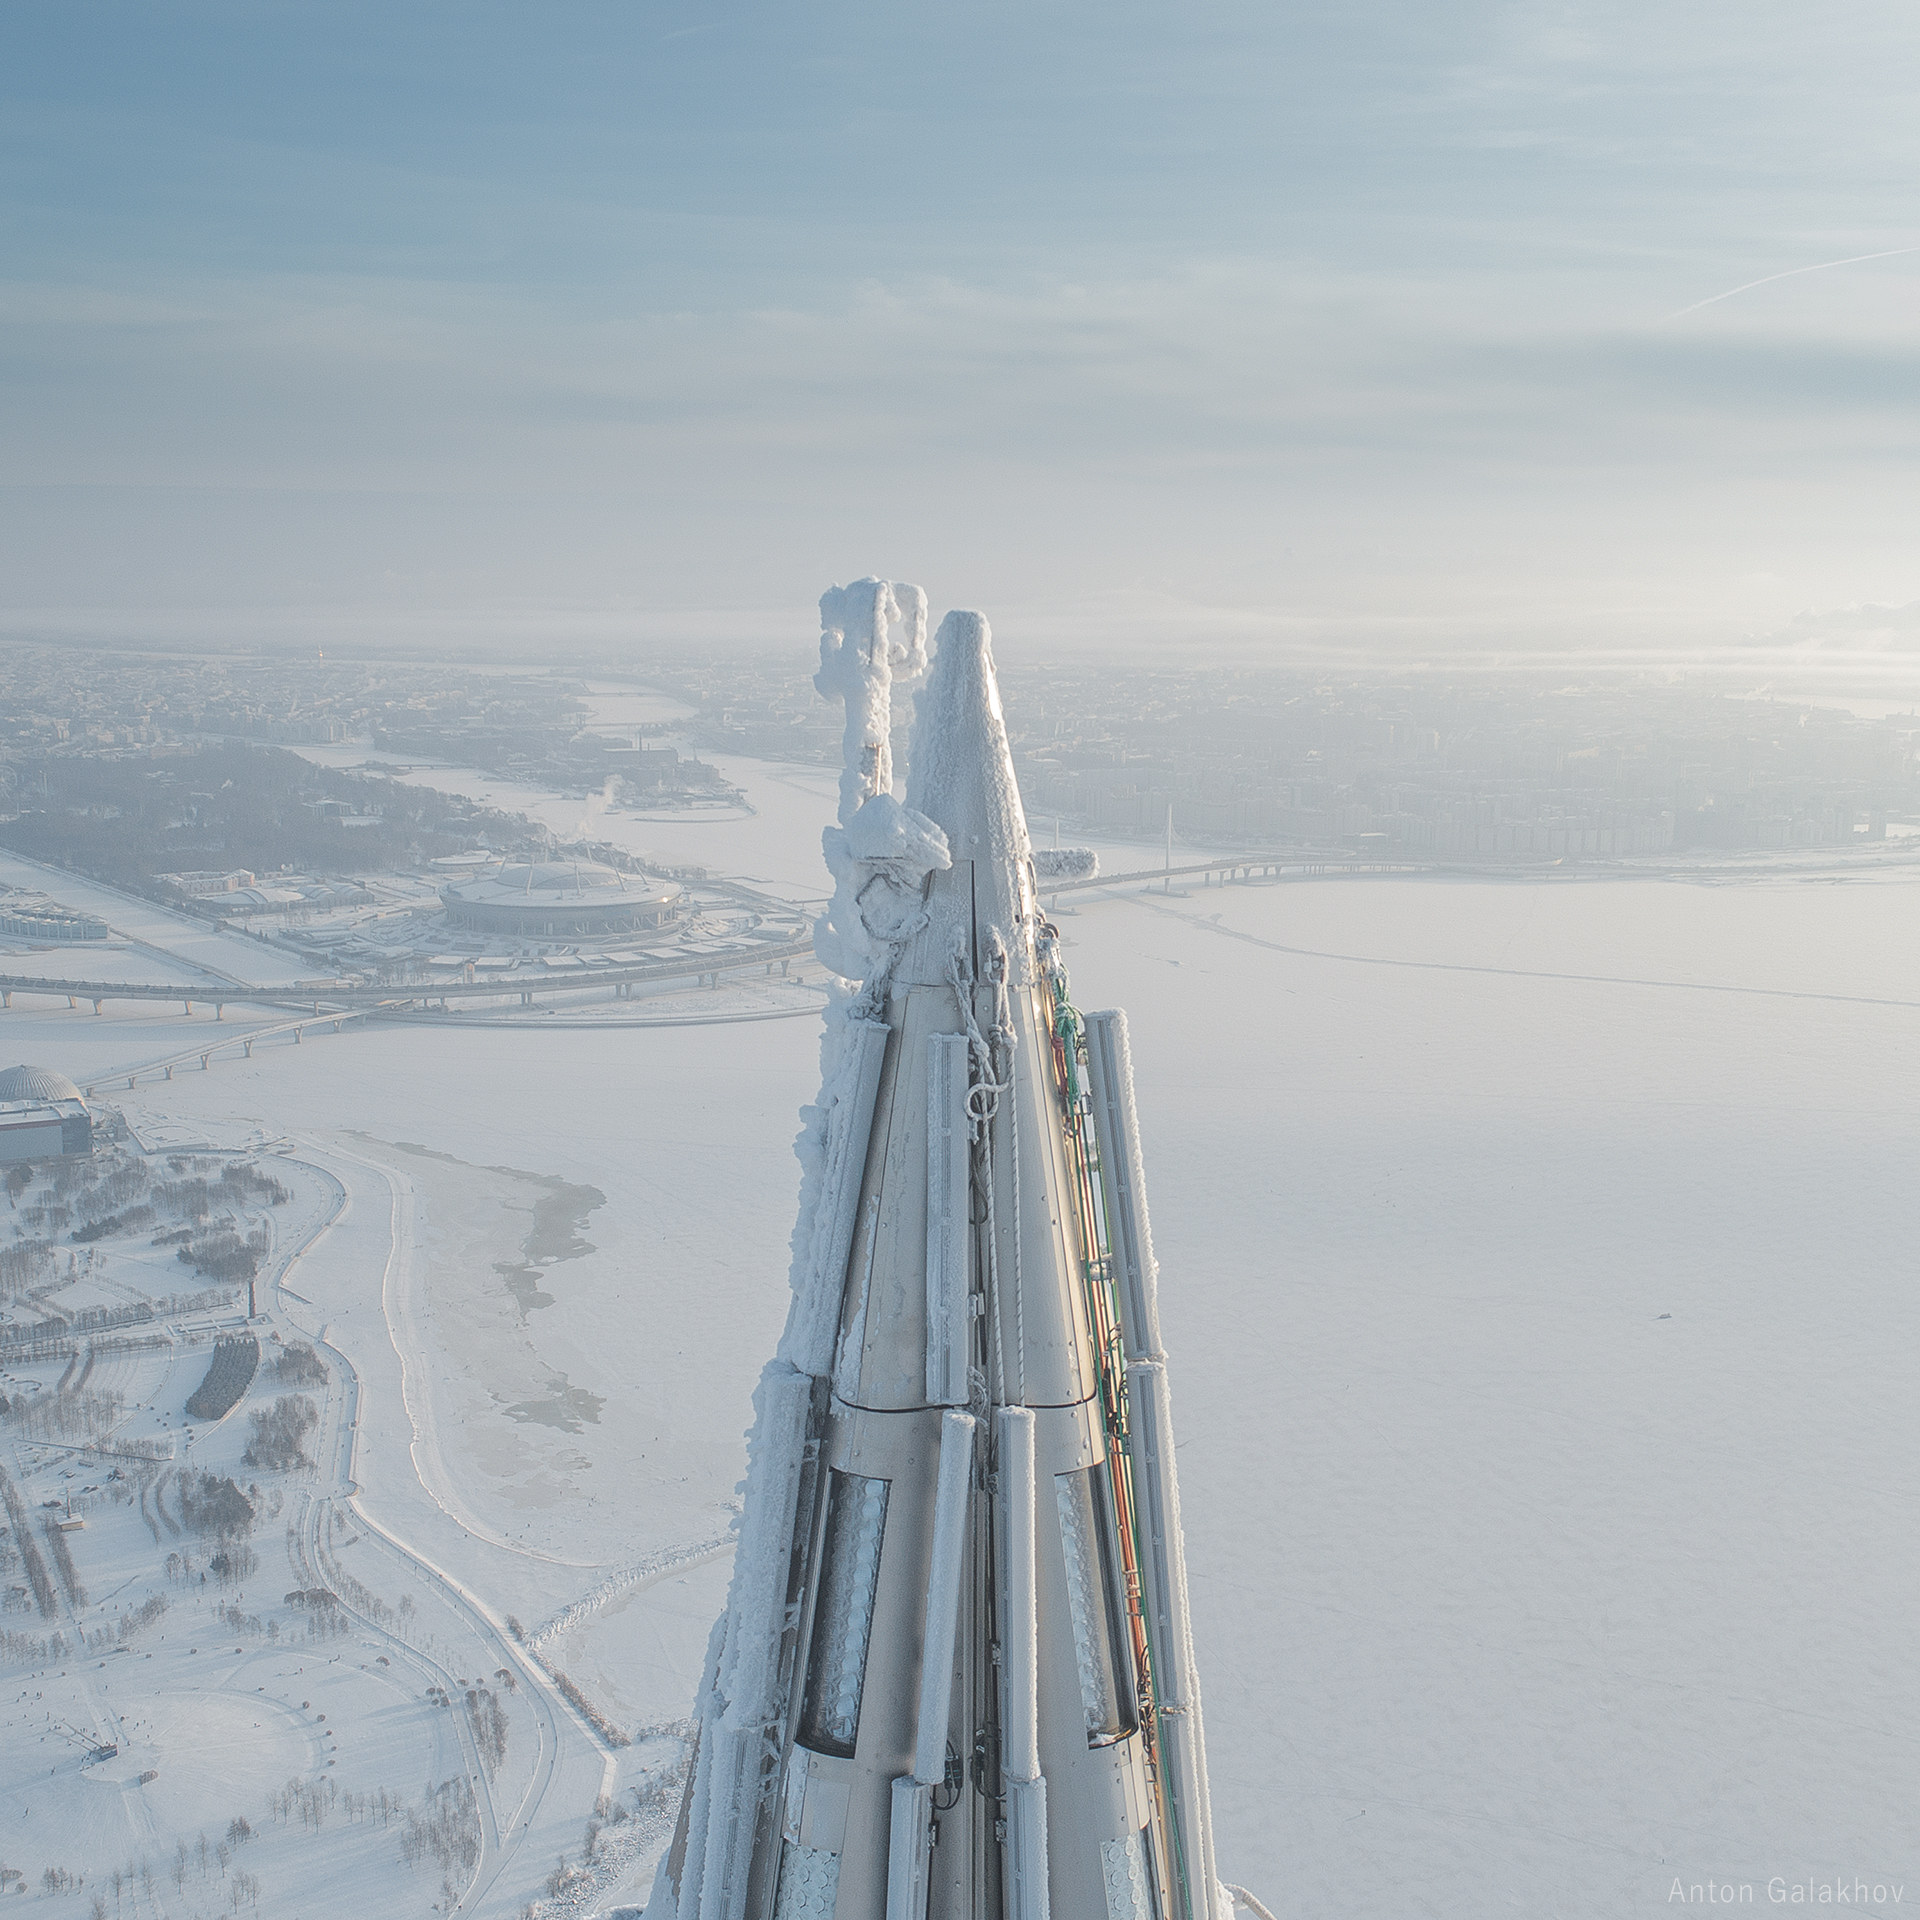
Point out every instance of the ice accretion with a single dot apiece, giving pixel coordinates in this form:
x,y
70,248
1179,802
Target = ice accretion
x,y
961,769
880,855
879,861
868,632
881,852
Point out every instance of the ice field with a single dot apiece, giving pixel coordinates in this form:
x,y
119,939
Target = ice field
x,y
1538,1285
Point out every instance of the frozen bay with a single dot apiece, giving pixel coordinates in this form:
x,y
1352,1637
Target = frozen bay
x,y
1537,1284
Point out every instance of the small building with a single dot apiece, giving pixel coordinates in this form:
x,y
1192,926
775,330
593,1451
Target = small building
x,y
42,1116
197,884
560,899
34,917
296,893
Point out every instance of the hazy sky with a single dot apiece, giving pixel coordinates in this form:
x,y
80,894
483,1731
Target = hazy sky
x,y
1234,319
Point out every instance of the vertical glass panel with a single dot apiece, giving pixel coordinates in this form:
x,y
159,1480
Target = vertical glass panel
x,y
843,1613
1094,1601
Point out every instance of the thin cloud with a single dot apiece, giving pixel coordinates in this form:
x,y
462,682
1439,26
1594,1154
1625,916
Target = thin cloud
x,y
1767,280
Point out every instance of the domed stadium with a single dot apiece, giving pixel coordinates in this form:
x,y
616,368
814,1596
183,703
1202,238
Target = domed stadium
x,y
36,1083
560,899
42,1116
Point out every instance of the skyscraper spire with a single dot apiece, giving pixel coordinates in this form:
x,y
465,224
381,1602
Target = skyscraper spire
x,y
954,1680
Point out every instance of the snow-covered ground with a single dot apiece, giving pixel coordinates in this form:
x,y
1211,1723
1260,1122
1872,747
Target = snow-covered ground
x,y
214,956
529,1305
116,961
1537,1282
295,1707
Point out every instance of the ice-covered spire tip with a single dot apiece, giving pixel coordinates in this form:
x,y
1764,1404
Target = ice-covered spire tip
x,y
961,772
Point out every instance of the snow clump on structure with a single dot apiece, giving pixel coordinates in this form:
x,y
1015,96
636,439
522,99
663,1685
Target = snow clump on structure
x,y
881,852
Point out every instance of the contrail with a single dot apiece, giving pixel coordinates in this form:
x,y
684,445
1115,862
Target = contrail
x,y
1852,260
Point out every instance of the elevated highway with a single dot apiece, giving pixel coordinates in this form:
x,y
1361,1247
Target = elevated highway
x,y
1244,868
333,996
329,1005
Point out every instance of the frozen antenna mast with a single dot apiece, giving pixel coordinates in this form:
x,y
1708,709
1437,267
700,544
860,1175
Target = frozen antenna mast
x,y
954,1679
869,632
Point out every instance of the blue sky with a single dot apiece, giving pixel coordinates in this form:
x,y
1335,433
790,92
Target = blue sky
x,y
1219,321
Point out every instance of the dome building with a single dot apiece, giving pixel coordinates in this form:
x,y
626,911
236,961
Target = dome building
x,y
560,899
42,1116
36,1083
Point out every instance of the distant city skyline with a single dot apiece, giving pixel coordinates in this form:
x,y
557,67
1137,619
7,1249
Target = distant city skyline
x,y
1231,328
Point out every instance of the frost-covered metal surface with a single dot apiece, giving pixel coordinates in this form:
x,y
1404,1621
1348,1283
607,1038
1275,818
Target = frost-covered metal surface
x,y
954,1677
949,1222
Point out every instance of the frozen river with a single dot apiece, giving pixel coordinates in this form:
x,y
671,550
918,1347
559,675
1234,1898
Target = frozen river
x,y
775,843
1538,1282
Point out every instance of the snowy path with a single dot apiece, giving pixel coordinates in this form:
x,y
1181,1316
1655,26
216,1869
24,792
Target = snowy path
x,y
360,1447
410,1340
625,1580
